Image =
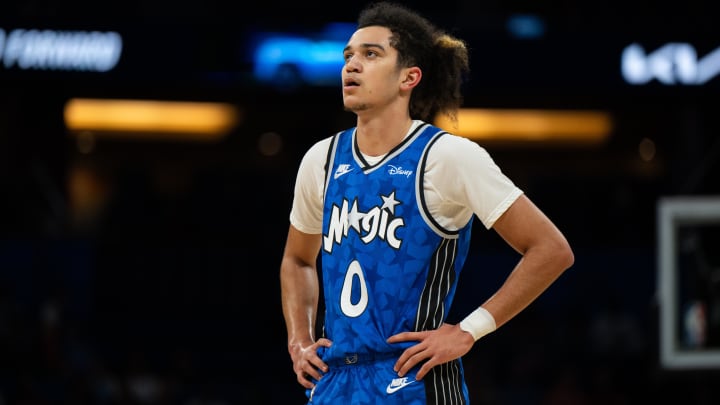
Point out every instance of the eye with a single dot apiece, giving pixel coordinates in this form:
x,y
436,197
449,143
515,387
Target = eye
x,y
347,56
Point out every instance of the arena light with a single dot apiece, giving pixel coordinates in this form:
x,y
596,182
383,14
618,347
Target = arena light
x,y
151,118
531,126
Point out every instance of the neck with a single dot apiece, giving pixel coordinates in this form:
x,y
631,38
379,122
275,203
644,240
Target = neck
x,y
377,136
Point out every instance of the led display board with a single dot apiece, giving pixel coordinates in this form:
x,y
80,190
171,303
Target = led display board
x,y
45,49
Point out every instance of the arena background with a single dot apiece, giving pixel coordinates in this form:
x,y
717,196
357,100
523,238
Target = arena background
x,y
143,269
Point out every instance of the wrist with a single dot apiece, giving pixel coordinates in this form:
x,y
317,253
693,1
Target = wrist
x,y
479,323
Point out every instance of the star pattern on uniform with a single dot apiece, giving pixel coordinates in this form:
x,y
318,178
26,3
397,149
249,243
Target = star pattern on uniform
x,y
354,216
390,202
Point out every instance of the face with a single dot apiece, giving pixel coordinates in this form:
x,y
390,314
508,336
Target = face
x,y
370,76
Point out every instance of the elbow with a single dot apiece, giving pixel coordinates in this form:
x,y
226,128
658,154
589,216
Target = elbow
x,y
558,254
565,256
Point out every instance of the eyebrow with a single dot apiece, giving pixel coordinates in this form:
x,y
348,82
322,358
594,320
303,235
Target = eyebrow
x,y
366,46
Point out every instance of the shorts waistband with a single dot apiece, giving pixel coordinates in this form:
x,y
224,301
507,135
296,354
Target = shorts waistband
x,y
352,359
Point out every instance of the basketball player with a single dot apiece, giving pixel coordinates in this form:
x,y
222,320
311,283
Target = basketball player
x,y
389,204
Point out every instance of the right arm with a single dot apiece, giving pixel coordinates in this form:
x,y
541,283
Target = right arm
x,y
300,294
299,284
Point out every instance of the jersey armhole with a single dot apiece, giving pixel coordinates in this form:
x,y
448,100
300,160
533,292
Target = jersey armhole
x,y
329,161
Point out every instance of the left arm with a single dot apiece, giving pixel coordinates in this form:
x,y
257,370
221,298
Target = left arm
x,y
546,254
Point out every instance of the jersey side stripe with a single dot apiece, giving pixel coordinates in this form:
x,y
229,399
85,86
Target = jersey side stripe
x,y
437,392
441,275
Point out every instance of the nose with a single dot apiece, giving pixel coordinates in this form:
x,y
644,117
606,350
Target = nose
x,y
352,64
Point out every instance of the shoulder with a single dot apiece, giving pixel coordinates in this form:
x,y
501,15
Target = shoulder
x,y
319,150
454,148
316,156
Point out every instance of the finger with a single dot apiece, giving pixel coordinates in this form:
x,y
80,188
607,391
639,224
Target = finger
x,y
310,371
324,342
404,357
315,360
318,364
414,360
405,337
424,369
304,380
408,359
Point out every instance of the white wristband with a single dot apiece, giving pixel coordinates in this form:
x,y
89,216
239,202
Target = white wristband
x,y
479,323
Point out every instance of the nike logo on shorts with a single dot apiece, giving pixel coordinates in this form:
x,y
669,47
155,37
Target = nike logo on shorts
x,y
397,384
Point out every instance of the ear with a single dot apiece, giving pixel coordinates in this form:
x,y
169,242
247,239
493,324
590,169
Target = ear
x,y
412,76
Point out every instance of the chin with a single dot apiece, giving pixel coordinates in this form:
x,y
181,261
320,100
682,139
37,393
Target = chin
x,y
354,107
348,106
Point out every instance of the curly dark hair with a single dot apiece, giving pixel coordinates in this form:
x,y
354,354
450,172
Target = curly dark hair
x,y
442,57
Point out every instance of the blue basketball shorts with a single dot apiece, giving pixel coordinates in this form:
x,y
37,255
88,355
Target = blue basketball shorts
x,y
358,381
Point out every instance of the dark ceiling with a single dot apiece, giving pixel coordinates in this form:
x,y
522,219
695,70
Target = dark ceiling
x,y
185,50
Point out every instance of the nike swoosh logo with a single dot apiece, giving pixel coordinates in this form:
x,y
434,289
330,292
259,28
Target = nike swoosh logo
x,y
398,384
341,172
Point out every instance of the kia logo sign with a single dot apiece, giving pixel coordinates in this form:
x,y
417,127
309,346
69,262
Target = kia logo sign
x,y
675,63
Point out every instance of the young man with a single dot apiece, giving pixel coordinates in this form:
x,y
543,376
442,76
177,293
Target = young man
x,y
390,204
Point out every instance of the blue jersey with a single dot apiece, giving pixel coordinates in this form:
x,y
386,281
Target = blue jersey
x,y
387,265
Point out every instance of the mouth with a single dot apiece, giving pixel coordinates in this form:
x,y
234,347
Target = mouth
x,y
350,82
